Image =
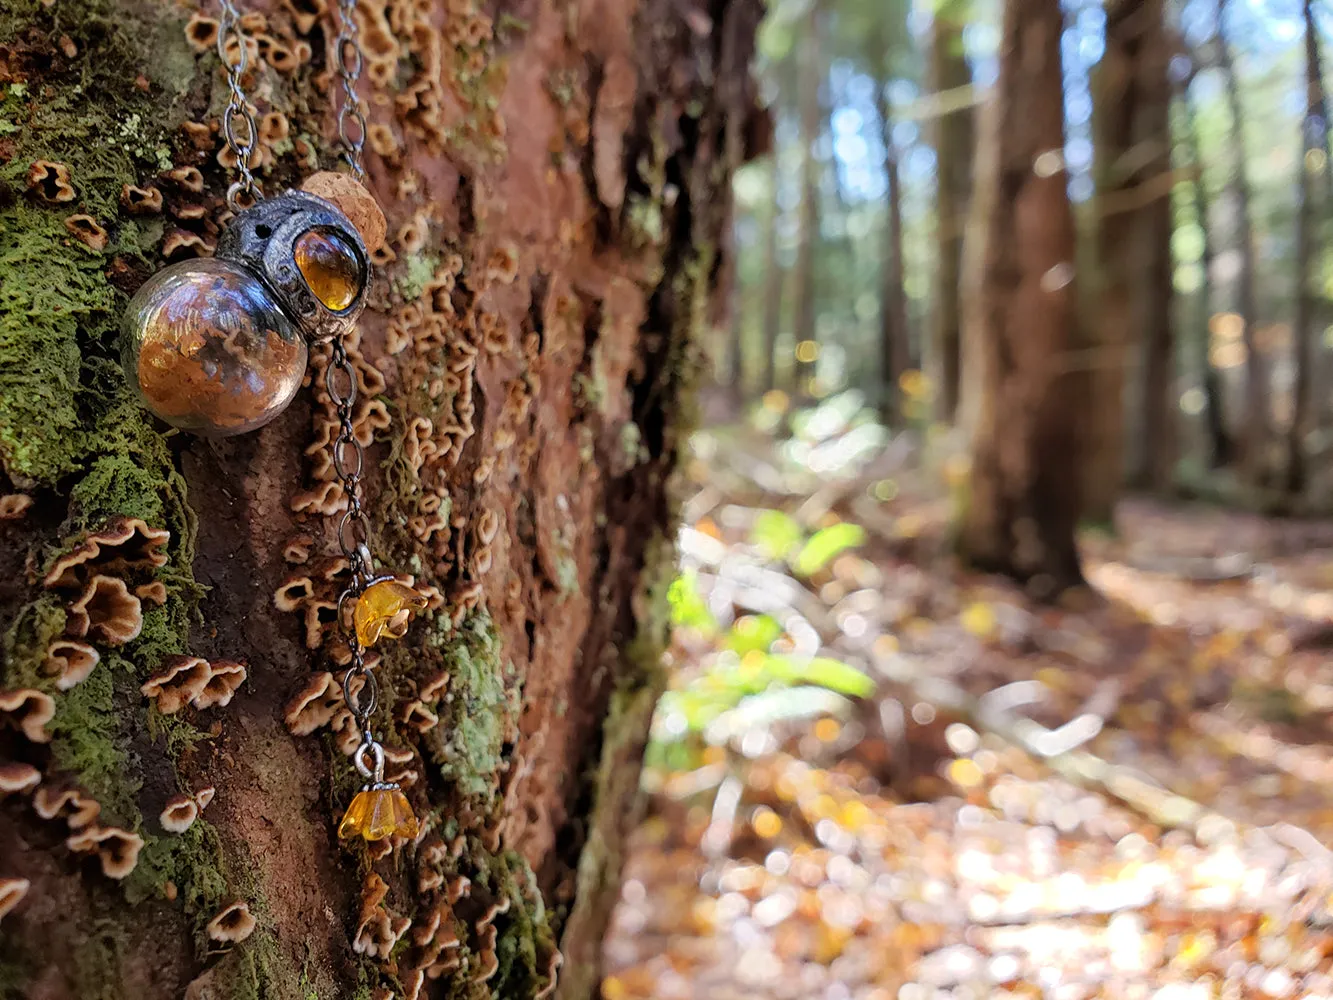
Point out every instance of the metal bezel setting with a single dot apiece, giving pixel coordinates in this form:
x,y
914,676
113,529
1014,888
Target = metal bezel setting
x,y
263,238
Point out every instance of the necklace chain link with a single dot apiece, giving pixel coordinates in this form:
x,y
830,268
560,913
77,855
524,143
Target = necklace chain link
x,y
348,46
243,191
360,690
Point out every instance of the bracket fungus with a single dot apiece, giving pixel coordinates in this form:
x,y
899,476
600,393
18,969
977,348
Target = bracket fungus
x,y
87,231
75,806
124,544
152,593
16,777
107,611
179,813
28,711
224,678
70,662
315,705
179,682
117,849
232,924
12,891
14,505
141,200
50,182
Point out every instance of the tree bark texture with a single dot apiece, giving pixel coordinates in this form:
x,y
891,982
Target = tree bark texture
x,y
1313,141
810,78
1023,494
555,178
1133,144
1255,431
954,140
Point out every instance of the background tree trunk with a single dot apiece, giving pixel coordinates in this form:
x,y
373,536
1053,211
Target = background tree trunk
x,y
1133,167
810,74
772,284
554,231
1214,409
1313,140
893,332
954,140
1255,433
1023,495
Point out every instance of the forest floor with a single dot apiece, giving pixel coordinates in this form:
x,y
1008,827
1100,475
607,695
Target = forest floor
x,y
877,776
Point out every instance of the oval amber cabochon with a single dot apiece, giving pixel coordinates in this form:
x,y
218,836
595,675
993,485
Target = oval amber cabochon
x,y
330,266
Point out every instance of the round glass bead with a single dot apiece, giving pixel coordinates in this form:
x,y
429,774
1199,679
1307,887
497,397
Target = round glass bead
x,y
208,349
330,267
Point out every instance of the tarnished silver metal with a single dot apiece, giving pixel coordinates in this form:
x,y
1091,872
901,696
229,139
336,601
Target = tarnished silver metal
x,y
244,191
348,48
370,747
263,239
353,528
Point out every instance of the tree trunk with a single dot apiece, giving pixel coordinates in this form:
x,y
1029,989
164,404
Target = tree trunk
x,y
1134,187
811,77
1214,409
893,330
1255,433
1022,506
772,284
553,231
953,155
1313,160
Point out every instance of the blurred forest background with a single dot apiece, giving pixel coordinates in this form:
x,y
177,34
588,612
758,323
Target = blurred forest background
x,y
1193,152
1001,653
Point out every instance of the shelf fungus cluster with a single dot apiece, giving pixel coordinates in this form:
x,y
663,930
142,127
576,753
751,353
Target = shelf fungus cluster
x,y
104,583
104,579
192,680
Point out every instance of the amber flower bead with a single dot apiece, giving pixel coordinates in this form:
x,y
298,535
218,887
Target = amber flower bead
x,y
330,267
378,812
385,609
208,349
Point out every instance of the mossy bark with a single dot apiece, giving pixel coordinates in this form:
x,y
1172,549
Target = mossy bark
x,y
554,176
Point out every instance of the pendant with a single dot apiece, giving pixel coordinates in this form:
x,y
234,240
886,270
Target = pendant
x,y
380,809
218,346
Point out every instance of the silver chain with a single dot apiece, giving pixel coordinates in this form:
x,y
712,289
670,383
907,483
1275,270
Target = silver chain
x,y
348,48
349,457
353,529
229,32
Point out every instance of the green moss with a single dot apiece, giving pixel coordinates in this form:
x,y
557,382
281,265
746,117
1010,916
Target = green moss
x,y
95,964
469,742
89,740
192,861
524,940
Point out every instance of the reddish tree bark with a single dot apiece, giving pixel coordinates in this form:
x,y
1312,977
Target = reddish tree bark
x,y
555,176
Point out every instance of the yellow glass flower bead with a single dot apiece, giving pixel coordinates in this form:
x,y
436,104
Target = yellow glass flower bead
x,y
376,813
330,267
386,608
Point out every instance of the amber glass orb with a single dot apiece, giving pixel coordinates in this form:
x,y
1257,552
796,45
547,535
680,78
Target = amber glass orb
x,y
208,349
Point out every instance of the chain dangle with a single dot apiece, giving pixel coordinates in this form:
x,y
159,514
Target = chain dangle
x,y
379,604
348,47
245,191
359,687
